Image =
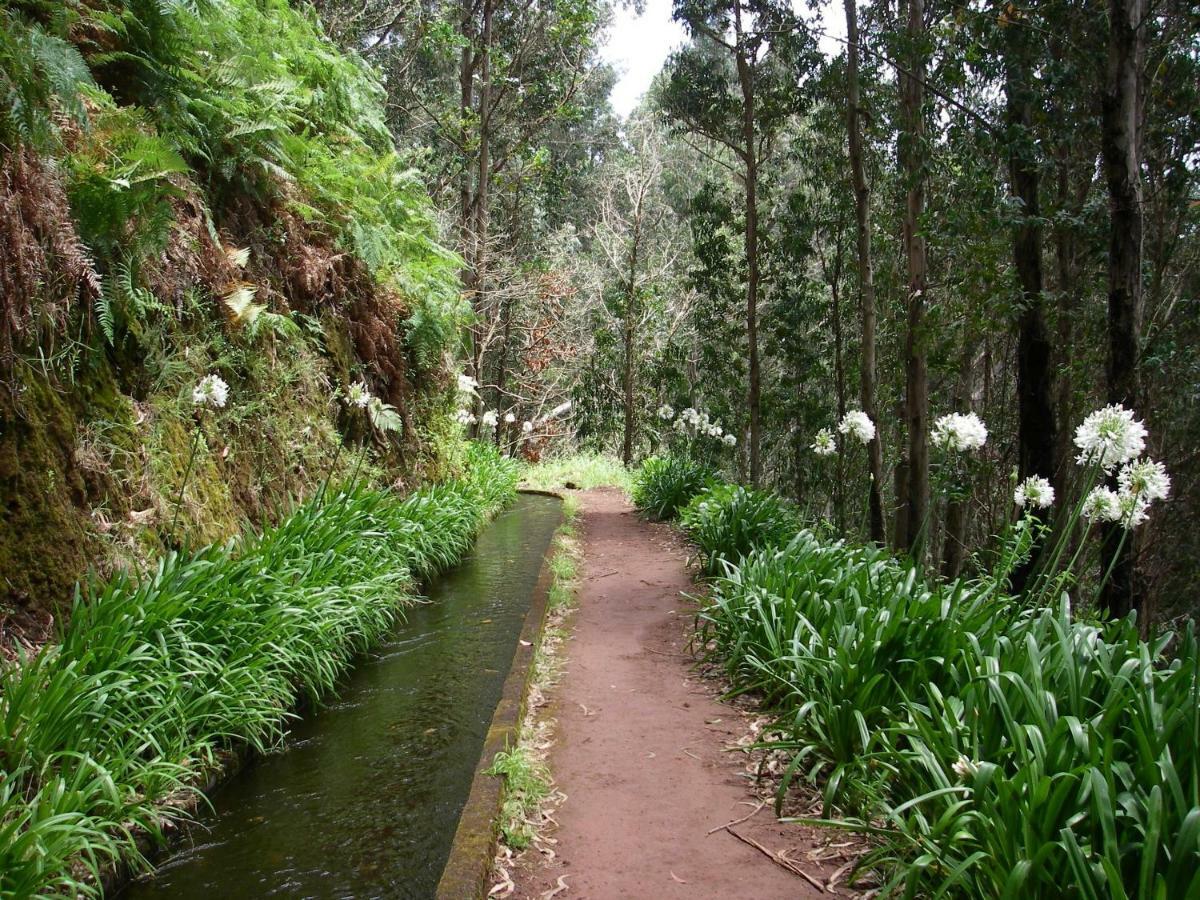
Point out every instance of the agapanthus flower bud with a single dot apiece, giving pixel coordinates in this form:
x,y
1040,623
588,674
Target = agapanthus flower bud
x,y
1102,504
959,432
1146,479
358,395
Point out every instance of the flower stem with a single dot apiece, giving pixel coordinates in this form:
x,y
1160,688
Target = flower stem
x,y
329,474
187,472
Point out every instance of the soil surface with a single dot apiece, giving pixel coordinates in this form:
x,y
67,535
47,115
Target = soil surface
x,y
642,742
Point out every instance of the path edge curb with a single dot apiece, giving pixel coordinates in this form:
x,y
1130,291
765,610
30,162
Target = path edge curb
x,y
469,865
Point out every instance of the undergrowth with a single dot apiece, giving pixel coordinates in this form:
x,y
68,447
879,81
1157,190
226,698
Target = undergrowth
x,y
581,470
993,749
107,734
666,484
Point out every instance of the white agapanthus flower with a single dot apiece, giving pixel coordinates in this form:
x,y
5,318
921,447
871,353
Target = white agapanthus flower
x,y
858,425
527,426
965,768
666,412
730,440
1134,509
467,384
211,391
1110,437
490,418
509,418
959,432
1102,504
464,417
358,395
1035,492
824,443
1146,479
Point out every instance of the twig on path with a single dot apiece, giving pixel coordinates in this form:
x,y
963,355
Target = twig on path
x,y
775,858
698,759
605,575
664,653
751,815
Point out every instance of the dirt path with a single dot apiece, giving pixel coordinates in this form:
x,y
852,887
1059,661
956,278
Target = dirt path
x,y
640,741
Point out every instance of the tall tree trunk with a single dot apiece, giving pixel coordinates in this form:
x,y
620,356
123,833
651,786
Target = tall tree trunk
x,y
839,373
630,339
749,139
1035,405
483,171
1120,144
866,271
916,370
466,182
954,547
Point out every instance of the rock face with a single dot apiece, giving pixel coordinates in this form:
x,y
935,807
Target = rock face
x,y
229,219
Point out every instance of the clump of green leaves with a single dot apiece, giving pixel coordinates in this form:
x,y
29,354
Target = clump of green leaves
x,y
728,521
155,676
989,748
666,484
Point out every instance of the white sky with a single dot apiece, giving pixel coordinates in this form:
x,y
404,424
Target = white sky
x,y
638,46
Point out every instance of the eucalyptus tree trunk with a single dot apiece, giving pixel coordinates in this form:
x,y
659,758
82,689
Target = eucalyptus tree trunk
x,y
916,368
839,373
753,274
1035,384
954,546
866,271
629,374
1120,144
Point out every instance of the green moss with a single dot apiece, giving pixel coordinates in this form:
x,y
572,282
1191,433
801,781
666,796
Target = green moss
x,y
47,537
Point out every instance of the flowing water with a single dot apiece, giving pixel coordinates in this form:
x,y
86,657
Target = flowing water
x,y
365,798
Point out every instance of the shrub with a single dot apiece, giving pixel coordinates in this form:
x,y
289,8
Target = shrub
x,y
102,734
729,521
1007,750
664,485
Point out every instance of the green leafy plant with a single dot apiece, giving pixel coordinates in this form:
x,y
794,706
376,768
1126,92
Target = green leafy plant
x,y
729,521
664,485
106,734
988,747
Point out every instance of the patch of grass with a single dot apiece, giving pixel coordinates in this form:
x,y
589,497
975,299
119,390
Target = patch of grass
x,y
528,785
583,470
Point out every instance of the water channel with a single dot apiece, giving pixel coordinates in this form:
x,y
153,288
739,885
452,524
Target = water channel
x,y
364,799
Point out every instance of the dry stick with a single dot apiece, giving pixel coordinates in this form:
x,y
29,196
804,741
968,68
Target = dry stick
x,y
738,821
790,866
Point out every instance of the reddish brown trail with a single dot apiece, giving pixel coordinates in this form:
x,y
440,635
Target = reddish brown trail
x,y
641,740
